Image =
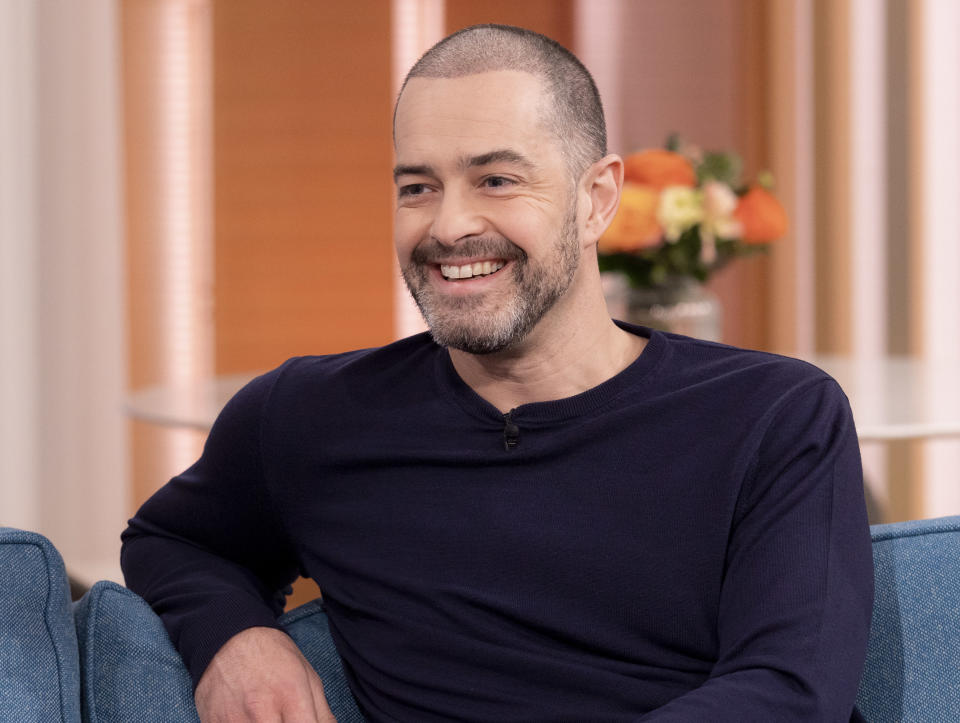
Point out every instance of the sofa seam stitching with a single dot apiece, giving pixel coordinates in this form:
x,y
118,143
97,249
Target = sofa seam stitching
x,y
92,616
58,653
917,533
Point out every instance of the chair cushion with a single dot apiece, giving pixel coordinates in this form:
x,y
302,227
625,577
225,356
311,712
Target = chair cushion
x,y
913,659
308,627
131,671
39,679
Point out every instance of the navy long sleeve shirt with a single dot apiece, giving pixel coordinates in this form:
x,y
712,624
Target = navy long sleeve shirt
x,y
685,542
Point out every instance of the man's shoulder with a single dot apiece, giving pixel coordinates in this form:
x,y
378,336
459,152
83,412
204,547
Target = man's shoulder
x,y
332,389
698,359
740,380
407,353
403,367
339,384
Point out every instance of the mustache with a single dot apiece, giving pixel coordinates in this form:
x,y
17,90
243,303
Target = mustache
x,y
432,251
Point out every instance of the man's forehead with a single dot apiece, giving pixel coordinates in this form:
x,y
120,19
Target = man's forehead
x,y
476,114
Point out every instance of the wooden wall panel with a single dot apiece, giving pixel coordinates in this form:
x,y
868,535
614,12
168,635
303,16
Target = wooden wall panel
x,y
790,161
553,18
302,187
832,176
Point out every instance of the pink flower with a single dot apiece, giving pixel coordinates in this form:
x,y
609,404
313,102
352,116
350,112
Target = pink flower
x,y
719,203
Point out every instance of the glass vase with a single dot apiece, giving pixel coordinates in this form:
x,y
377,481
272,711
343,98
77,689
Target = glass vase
x,y
681,305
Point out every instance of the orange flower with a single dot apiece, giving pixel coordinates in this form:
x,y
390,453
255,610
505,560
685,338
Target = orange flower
x,y
635,225
761,216
659,168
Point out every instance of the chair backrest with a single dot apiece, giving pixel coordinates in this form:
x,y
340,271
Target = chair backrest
x,y
912,671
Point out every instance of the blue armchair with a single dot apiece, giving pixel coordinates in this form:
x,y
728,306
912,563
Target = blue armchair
x,y
912,671
108,657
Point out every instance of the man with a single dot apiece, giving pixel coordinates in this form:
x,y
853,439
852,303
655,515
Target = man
x,y
535,513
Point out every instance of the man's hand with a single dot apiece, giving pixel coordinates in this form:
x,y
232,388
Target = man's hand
x,y
260,676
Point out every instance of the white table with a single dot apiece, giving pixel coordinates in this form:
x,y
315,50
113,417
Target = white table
x,y
892,398
191,405
896,398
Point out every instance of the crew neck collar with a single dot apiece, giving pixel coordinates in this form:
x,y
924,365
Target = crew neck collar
x,y
453,387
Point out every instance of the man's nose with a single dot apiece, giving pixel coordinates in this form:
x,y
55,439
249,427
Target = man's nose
x,y
457,217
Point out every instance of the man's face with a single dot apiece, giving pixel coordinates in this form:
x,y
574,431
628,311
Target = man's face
x,y
486,229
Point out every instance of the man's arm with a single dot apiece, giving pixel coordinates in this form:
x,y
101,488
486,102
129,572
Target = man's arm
x,y
797,594
210,554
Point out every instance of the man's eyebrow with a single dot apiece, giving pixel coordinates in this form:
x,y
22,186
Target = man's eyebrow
x,y
402,170
504,155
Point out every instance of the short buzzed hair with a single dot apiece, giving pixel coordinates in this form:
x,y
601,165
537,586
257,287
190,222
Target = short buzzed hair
x,y
576,118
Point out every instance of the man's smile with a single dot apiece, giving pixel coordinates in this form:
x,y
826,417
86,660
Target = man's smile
x,y
452,272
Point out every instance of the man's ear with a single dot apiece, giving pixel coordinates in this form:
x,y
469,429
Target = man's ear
x,y
601,188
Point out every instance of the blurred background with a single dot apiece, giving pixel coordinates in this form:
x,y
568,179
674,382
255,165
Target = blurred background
x,y
195,190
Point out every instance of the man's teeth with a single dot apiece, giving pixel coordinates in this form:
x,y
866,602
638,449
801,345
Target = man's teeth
x,y
467,271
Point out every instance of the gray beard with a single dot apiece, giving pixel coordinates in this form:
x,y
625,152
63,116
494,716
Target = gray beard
x,y
456,322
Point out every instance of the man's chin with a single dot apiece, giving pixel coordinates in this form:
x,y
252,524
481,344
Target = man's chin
x,y
477,347
470,341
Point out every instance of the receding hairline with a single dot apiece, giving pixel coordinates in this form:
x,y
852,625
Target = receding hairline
x,y
544,106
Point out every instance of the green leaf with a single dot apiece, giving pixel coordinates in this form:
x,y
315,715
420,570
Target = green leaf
x,y
723,167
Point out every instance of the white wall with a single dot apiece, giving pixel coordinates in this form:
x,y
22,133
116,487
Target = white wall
x,y
18,356
63,440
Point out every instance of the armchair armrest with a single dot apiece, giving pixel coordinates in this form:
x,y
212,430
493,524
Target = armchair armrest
x,y
39,673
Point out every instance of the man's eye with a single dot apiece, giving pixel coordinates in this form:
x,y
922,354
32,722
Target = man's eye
x,y
497,182
412,189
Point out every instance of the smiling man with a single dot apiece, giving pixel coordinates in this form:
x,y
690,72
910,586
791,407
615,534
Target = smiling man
x,y
532,513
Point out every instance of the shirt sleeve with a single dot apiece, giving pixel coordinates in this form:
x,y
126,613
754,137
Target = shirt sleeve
x,y
797,592
208,550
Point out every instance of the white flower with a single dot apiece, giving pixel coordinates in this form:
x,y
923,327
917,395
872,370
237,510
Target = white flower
x,y
680,208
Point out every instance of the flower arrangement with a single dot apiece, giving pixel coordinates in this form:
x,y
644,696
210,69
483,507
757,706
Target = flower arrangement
x,y
684,214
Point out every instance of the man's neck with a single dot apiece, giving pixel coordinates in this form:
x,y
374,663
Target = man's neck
x,y
550,363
